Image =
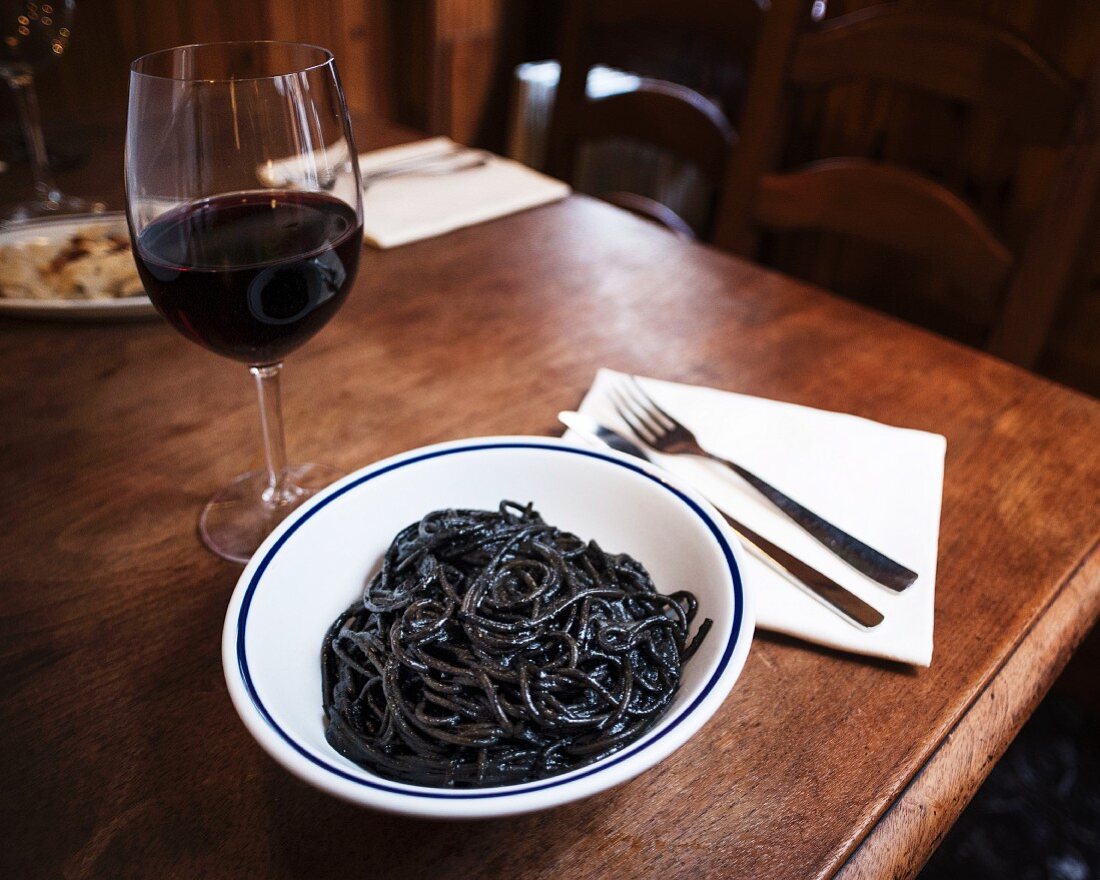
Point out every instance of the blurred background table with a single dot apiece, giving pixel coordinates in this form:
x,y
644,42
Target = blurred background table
x,y
123,756
450,67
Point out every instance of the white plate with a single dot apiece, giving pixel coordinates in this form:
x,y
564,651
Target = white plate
x,y
315,564
59,229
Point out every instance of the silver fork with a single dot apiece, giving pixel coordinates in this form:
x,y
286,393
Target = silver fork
x,y
435,164
446,163
664,433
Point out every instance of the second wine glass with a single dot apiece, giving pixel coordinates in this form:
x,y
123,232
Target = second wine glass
x,y
33,35
233,256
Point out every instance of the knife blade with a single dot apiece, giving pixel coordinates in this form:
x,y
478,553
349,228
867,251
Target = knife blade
x,y
824,589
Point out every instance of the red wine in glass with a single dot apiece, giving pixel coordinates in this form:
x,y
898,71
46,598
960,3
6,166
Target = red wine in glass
x,y
251,275
245,208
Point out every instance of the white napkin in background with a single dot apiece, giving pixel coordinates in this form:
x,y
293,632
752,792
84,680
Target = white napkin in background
x,y
403,209
882,484
408,207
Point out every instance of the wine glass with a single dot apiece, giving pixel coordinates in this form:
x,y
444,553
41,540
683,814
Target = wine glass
x,y
246,214
33,34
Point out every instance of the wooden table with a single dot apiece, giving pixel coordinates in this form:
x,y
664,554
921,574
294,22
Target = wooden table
x,y
122,756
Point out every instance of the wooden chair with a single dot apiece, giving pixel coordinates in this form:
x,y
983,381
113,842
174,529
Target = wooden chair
x,y
965,60
674,118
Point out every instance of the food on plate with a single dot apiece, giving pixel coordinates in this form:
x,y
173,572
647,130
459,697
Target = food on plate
x,y
492,648
93,263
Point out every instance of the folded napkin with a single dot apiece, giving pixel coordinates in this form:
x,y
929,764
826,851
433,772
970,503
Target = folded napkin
x,y
882,484
406,208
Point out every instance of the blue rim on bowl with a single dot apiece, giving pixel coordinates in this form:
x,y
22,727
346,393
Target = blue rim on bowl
x,y
236,629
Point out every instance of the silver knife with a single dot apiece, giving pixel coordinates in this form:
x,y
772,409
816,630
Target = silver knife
x,y
808,579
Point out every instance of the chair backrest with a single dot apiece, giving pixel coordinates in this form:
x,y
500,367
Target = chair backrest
x,y
1057,237
671,117
964,60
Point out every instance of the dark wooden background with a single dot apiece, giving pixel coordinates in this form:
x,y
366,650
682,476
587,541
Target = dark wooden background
x,y
444,66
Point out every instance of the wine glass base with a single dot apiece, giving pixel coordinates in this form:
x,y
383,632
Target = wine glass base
x,y
237,519
62,206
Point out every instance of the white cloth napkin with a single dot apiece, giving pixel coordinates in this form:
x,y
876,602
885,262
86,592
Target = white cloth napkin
x,y
408,207
882,484
403,209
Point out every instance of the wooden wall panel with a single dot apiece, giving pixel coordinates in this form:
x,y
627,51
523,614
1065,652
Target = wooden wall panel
x,y
466,40
91,81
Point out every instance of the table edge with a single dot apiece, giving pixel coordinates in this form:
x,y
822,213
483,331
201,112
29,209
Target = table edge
x,y
905,837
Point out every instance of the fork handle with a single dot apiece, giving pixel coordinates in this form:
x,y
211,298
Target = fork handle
x,y
860,556
450,165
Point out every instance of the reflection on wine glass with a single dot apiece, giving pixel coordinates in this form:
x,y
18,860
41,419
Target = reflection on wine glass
x,y
248,270
33,34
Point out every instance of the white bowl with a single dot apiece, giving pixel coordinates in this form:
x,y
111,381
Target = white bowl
x,y
315,564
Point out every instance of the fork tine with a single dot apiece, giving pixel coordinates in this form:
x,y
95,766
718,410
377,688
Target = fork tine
x,y
643,415
651,404
642,431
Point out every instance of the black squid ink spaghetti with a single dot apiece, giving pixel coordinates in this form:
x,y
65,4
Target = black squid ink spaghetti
x,y
492,648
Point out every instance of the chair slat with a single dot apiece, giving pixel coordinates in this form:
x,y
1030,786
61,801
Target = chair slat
x,y
957,57
668,116
651,210
889,205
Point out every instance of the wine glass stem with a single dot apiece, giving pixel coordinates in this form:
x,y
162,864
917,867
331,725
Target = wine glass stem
x,y
278,490
22,86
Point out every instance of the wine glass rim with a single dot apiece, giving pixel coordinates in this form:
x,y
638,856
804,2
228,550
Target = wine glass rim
x,y
326,58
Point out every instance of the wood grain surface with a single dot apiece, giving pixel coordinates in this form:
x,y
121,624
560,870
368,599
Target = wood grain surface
x,y
904,838
121,756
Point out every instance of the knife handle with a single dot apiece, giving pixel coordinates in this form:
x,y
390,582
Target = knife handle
x,y
827,591
862,557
